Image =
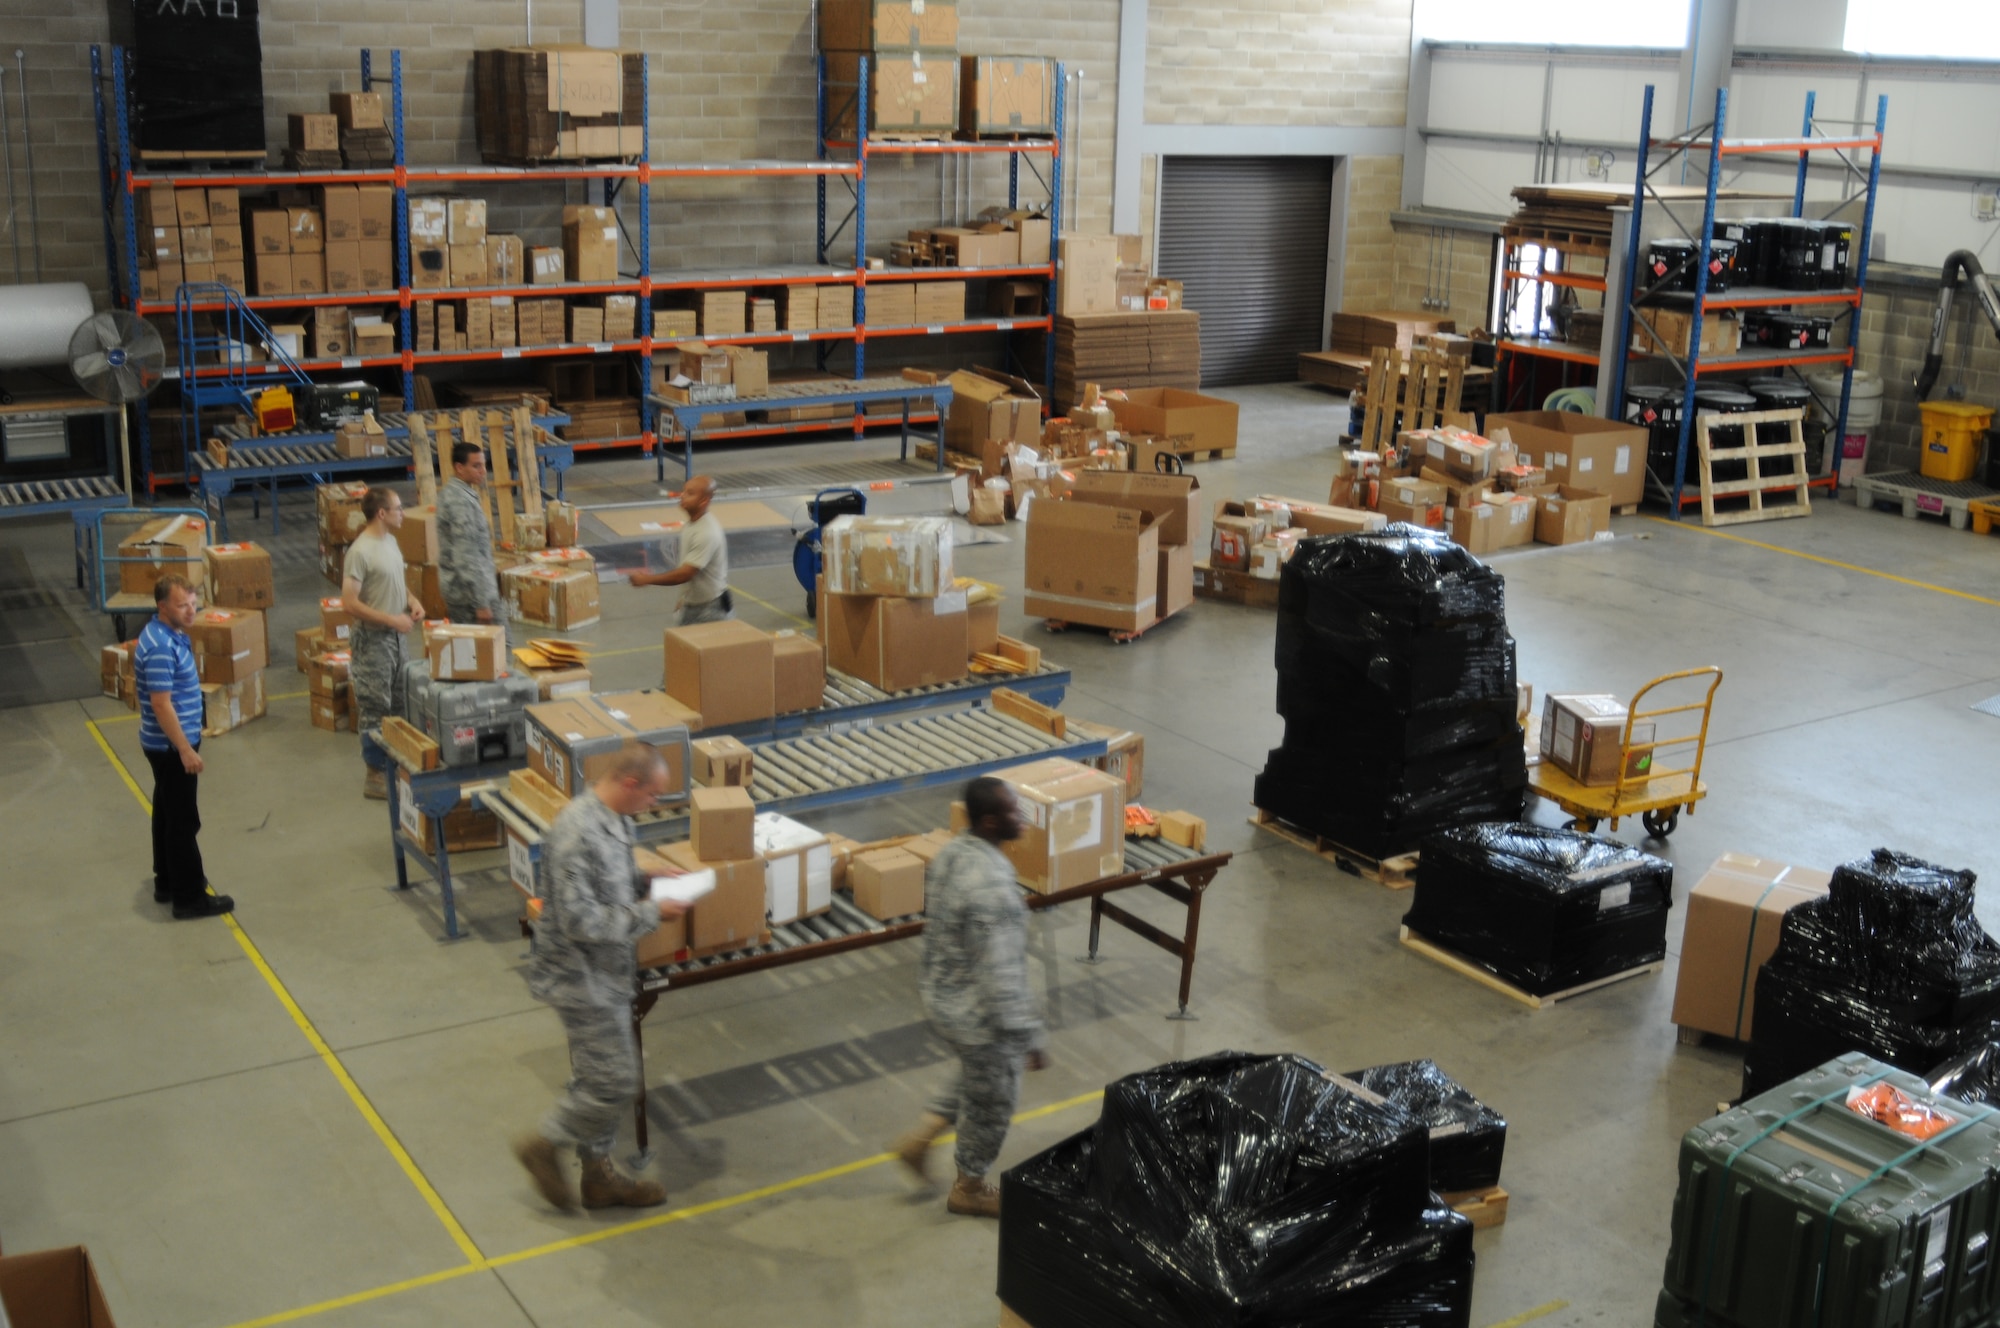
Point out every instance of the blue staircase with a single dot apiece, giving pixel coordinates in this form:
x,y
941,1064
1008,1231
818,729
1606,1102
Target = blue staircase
x,y
232,340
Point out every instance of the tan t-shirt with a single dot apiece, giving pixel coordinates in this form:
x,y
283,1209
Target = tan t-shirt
x,y
705,545
376,561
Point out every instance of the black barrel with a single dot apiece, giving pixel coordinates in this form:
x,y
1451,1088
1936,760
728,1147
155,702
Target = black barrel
x,y
1660,411
1718,400
1795,262
1783,394
1671,261
1748,235
1721,266
1836,244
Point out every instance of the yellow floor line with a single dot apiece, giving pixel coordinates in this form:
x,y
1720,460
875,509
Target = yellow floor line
x,y
319,1045
1529,1316
658,1220
1830,562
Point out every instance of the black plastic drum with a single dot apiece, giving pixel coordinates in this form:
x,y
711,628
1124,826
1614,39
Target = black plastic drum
x,y
1720,401
1671,261
1751,267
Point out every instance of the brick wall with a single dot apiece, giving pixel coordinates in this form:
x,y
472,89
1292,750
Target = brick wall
x,y
1316,62
1458,265
1895,332
1375,185
728,82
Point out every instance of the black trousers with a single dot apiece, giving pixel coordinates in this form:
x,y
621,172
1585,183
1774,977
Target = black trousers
x,y
177,868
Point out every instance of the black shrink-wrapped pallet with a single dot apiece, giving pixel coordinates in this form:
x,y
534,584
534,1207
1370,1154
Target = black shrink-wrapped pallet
x,y
1541,908
198,74
1891,962
1467,1137
1236,1191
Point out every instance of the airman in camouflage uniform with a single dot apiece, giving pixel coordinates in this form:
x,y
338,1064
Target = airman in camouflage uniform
x,y
975,991
375,596
465,543
593,916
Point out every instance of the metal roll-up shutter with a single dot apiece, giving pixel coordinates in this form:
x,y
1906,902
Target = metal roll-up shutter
x,y
1246,236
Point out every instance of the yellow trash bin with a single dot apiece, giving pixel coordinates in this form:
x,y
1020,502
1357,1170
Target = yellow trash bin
x,y
1952,430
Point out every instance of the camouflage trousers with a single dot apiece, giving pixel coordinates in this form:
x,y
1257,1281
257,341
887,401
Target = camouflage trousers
x,y
469,614
604,1078
981,1098
377,671
713,611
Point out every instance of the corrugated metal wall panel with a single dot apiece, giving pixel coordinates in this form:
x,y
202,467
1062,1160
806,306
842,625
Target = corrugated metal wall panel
x,y
1247,237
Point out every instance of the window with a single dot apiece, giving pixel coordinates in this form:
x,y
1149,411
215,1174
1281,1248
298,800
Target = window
x,y
1661,23
1947,29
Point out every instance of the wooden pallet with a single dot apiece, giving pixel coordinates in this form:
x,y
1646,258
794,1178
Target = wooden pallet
x,y
1757,484
1465,967
1920,495
1486,1208
1406,393
1396,873
1569,241
1119,635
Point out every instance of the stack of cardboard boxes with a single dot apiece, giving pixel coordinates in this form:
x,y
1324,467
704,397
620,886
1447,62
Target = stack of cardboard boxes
x,y
187,235
721,840
1253,538
287,251
552,588
912,53
891,612
727,673
1117,552
360,237
340,524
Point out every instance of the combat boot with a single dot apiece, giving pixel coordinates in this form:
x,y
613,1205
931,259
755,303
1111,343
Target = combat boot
x,y
973,1196
913,1149
545,1168
604,1186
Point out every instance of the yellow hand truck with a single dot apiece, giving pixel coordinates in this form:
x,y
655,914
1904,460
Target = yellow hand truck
x,y
1647,788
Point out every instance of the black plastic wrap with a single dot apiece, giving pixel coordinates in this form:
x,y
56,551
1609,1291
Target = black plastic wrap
x,y
1890,962
1236,1191
1971,1077
1542,908
1402,572
1461,664
1380,815
1380,735
198,74
1467,1137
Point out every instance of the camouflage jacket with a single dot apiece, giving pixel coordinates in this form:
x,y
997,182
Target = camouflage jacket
x,y
465,548
593,912
975,968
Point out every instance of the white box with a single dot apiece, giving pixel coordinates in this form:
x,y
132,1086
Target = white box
x,y
798,867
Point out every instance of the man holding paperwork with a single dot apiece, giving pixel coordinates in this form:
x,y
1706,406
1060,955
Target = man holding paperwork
x,y
597,909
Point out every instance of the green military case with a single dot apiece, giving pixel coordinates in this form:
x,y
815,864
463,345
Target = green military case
x,y
1796,1212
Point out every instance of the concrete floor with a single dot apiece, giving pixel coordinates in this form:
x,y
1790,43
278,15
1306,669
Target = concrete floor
x,y
305,1120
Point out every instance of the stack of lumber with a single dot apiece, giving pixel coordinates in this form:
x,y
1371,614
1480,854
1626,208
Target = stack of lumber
x,y
1356,334
1127,350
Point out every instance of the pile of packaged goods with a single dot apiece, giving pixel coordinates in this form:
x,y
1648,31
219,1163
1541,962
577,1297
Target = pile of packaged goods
x,y
1850,1195
1396,683
1543,909
1891,962
1235,1189
1467,1136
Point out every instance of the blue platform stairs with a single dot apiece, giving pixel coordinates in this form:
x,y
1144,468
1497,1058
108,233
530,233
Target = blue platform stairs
x,y
227,338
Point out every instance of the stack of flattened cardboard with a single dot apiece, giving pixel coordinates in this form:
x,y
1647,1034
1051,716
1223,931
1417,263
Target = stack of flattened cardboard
x,y
557,102
1127,350
1343,366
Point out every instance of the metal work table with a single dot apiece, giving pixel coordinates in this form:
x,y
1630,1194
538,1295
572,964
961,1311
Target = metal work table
x,y
1181,874
689,415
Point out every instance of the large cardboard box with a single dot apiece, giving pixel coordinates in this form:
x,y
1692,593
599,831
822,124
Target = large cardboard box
x,y
654,717
378,211
969,246
990,409
239,577
1088,562
466,652
340,212
551,596
231,705
725,670
165,546
1734,915
1188,421
798,673
1582,451
904,556
733,914
1087,280
1174,500
887,25
1483,527
1583,735
912,91
590,243
1006,94
418,535
721,823
798,868
1571,515
887,883
1073,824
228,644
53,1288
896,644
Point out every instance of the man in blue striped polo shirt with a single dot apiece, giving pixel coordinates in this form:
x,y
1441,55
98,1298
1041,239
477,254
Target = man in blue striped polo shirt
x,y
170,732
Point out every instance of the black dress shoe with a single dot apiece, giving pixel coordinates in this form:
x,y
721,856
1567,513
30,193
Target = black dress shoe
x,y
208,906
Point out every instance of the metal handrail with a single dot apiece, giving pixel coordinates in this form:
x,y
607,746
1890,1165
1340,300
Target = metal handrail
x,y
1634,715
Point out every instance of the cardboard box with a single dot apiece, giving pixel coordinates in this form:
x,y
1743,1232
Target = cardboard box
x,y
1006,94
377,204
231,705
225,243
307,643
197,243
466,264
551,596
887,25
338,715
561,684
313,132
896,644
723,762
1186,421
904,556
967,246
798,868
1571,515
340,212
336,627
662,944
1672,330
358,110
271,274
982,627
1124,756
1233,539
1461,455
464,221
1185,829
162,547
239,577
309,273
725,670
53,1289
887,883
1583,734
1073,824
1174,501
1176,585
340,516
305,230
270,231
1087,283
545,266
590,243
1088,562
798,673
1734,915
733,914
914,91
422,581
374,339
228,644
231,274
989,410
466,652
1582,451
721,823
343,266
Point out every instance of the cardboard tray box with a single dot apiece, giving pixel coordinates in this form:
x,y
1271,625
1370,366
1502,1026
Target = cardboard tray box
x,y
1188,421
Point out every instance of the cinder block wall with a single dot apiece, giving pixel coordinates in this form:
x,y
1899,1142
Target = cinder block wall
x,y
1456,264
1304,62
